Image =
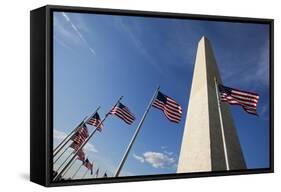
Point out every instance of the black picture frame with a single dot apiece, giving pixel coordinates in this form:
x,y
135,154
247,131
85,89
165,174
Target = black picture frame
x,y
41,101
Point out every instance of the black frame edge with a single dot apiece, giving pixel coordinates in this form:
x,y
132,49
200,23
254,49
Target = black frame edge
x,y
159,14
47,60
37,96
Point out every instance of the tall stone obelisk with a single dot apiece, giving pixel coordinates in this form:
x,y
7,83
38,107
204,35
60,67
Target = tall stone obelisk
x,y
206,145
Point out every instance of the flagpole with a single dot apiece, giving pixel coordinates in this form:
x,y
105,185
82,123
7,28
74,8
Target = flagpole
x,y
121,164
105,174
60,155
59,147
64,161
85,173
84,122
70,138
222,127
76,171
69,167
85,142
97,173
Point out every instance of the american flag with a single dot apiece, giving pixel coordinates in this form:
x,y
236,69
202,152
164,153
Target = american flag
x,y
95,121
169,106
123,112
88,165
81,135
75,145
81,155
245,99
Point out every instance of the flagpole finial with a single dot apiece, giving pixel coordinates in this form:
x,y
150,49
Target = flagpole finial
x,y
120,98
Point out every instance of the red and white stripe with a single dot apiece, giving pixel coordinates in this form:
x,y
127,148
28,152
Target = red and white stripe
x,y
247,100
75,146
81,135
95,122
171,109
123,113
81,155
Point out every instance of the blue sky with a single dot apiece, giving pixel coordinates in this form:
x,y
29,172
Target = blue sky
x,y
98,58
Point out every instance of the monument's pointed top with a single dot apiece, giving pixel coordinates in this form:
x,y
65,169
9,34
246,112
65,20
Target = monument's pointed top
x,y
203,38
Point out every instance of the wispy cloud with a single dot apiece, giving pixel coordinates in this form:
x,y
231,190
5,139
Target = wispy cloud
x,y
168,152
253,72
139,158
59,135
136,40
262,67
61,42
156,159
164,147
78,33
263,111
91,148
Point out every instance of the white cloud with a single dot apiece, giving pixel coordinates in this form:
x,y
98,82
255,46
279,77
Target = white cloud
x,y
253,74
168,153
63,44
163,147
59,135
61,29
132,30
77,31
66,17
90,148
156,159
139,158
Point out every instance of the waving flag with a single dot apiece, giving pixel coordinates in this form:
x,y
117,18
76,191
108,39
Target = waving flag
x,y
123,113
81,135
95,121
247,100
88,165
75,146
81,155
169,106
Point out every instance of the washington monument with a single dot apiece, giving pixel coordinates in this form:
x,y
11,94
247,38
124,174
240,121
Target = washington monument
x,y
210,141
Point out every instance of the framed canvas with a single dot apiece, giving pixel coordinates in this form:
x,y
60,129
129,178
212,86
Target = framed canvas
x,y
122,95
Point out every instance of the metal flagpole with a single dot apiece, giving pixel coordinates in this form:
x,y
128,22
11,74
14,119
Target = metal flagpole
x,y
85,142
70,138
222,127
97,173
105,174
63,143
135,134
69,167
85,173
64,161
61,154
76,129
76,171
